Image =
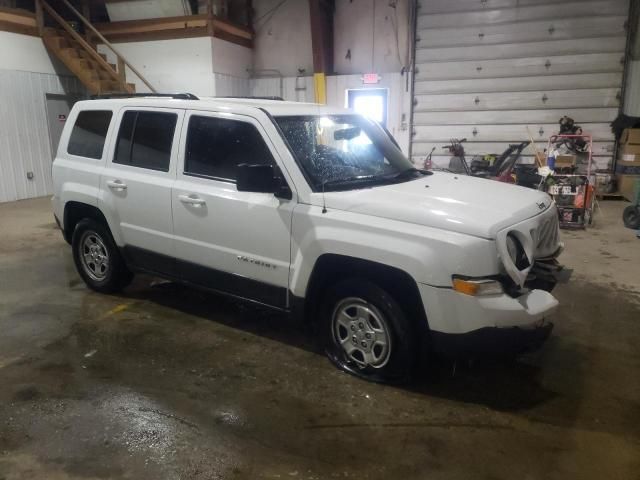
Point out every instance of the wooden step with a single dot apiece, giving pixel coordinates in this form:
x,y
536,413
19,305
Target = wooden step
x,y
57,41
95,76
108,86
71,53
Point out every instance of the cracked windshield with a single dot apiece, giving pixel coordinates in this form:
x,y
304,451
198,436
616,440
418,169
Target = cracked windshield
x,y
345,151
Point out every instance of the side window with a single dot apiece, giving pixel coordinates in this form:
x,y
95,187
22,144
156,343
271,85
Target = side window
x,y
216,146
145,140
89,133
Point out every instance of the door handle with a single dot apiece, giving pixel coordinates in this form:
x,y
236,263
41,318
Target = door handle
x,y
116,185
192,200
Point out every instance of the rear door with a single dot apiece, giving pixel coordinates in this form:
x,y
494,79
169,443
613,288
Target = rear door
x,y
235,242
137,181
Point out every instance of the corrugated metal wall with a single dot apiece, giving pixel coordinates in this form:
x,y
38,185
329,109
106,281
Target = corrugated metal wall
x,y
24,136
230,86
485,69
294,89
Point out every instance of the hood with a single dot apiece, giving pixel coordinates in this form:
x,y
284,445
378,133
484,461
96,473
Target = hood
x,y
458,203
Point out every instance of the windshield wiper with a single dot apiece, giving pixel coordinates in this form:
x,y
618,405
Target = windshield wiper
x,y
348,180
405,173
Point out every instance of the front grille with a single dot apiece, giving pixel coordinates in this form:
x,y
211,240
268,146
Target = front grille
x,y
548,235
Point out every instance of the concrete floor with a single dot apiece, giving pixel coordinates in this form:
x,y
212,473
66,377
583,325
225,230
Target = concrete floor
x,y
164,382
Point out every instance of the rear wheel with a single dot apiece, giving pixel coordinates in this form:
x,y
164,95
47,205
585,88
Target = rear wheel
x,y
97,258
631,217
367,333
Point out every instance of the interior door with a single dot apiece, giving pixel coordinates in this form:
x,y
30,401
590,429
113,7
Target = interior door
x,y
231,241
137,181
370,102
58,108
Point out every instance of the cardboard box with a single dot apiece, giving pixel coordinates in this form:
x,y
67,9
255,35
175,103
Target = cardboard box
x,y
629,149
627,185
629,152
630,136
565,161
628,168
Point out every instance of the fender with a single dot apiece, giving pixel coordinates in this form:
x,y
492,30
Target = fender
x,y
430,256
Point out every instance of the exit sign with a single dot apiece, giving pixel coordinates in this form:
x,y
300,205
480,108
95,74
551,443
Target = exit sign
x,y
370,78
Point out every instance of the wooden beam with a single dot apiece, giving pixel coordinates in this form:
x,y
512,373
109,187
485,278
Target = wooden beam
x,y
21,29
39,17
18,16
321,13
16,20
249,9
122,70
176,27
210,17
86,12
151,25
157,35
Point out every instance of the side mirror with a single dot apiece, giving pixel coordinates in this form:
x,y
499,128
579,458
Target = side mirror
x,y
260,179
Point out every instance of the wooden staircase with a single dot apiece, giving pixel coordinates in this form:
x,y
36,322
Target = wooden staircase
x,y
79,54
97,75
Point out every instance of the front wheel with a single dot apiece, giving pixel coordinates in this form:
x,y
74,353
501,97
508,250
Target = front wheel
x,y
97,258
367,333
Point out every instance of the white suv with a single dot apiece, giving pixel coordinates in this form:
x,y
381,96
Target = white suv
x,y
311,210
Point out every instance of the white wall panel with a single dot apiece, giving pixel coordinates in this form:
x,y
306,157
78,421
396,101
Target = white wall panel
x,y
421,149
24,136
505,117
476,15
27,53
632,93
522,66
487,69
231,86
449,6
531,31
518,50
499,133
176,65
515,84
580,98
294,89
443,161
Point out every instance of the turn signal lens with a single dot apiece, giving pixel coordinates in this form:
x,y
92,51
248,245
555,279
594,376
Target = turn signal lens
x,y
477,288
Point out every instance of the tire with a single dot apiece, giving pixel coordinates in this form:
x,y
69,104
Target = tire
x,y
97,258
366,333
631,217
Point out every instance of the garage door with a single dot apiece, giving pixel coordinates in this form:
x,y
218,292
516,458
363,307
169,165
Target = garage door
x,y
485,69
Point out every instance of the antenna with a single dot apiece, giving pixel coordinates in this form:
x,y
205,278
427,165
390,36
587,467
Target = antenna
x,y
324,202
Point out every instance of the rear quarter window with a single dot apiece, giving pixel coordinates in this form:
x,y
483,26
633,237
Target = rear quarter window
x,y
89,133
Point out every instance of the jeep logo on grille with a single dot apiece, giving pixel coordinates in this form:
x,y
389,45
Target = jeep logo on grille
x,y
541,205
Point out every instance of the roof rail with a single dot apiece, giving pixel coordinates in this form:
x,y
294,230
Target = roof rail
x,y
177,96
253,98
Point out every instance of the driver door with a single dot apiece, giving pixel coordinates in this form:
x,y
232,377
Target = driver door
x,y
234,242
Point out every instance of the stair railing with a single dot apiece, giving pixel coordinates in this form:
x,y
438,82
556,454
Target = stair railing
x,y
101,61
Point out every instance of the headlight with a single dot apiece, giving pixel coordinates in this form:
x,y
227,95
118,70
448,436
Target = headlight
x,y
477,287
516,252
